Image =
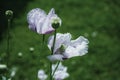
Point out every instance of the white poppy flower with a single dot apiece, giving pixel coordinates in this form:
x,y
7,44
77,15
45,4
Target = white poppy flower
x,y
60,73
72,48
40,22
42,75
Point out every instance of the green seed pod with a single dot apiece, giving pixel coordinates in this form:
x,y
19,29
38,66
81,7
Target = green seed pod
x,y
55,25
56,22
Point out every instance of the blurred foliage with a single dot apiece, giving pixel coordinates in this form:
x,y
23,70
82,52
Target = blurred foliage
x,y
16,6
97,20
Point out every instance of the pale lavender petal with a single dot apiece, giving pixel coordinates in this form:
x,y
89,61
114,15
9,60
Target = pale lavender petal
x,y
52,15
47,27
42,75
70,52
82,49
81,45
60,75
55,57
34,16
71,48
79,40
60,67
61,39
78,47
40,22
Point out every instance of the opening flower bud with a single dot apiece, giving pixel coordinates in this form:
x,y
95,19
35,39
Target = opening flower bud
x,y
9,14
56,22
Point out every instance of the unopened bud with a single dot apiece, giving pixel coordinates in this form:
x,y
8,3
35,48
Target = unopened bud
x,y
31,49
9,14
56,22
20,54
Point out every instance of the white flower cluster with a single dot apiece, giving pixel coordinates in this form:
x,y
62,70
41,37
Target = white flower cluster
x,y
59,74
40,22
61,45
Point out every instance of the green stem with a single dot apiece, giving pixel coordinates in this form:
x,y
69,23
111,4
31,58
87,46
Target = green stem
x,y
52,49
56,68
43,39
50,71
8,42
54,41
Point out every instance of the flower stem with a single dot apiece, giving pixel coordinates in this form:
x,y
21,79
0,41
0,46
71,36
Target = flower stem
x,y
56,68
8,42
43,39
52,49
54,41
50,71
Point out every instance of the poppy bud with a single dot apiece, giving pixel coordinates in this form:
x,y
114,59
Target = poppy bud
x,y
56,22
9,14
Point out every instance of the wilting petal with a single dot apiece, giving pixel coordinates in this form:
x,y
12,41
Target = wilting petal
x,y
61,39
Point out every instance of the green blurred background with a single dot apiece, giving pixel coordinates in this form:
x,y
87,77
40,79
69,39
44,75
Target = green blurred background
x,y
97,20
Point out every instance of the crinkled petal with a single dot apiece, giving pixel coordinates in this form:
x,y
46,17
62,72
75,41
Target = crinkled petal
x,y
55,57
60,75
71,48
34,17
79,40
82,49
47,27
77,47
40,22
70,52
61,39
